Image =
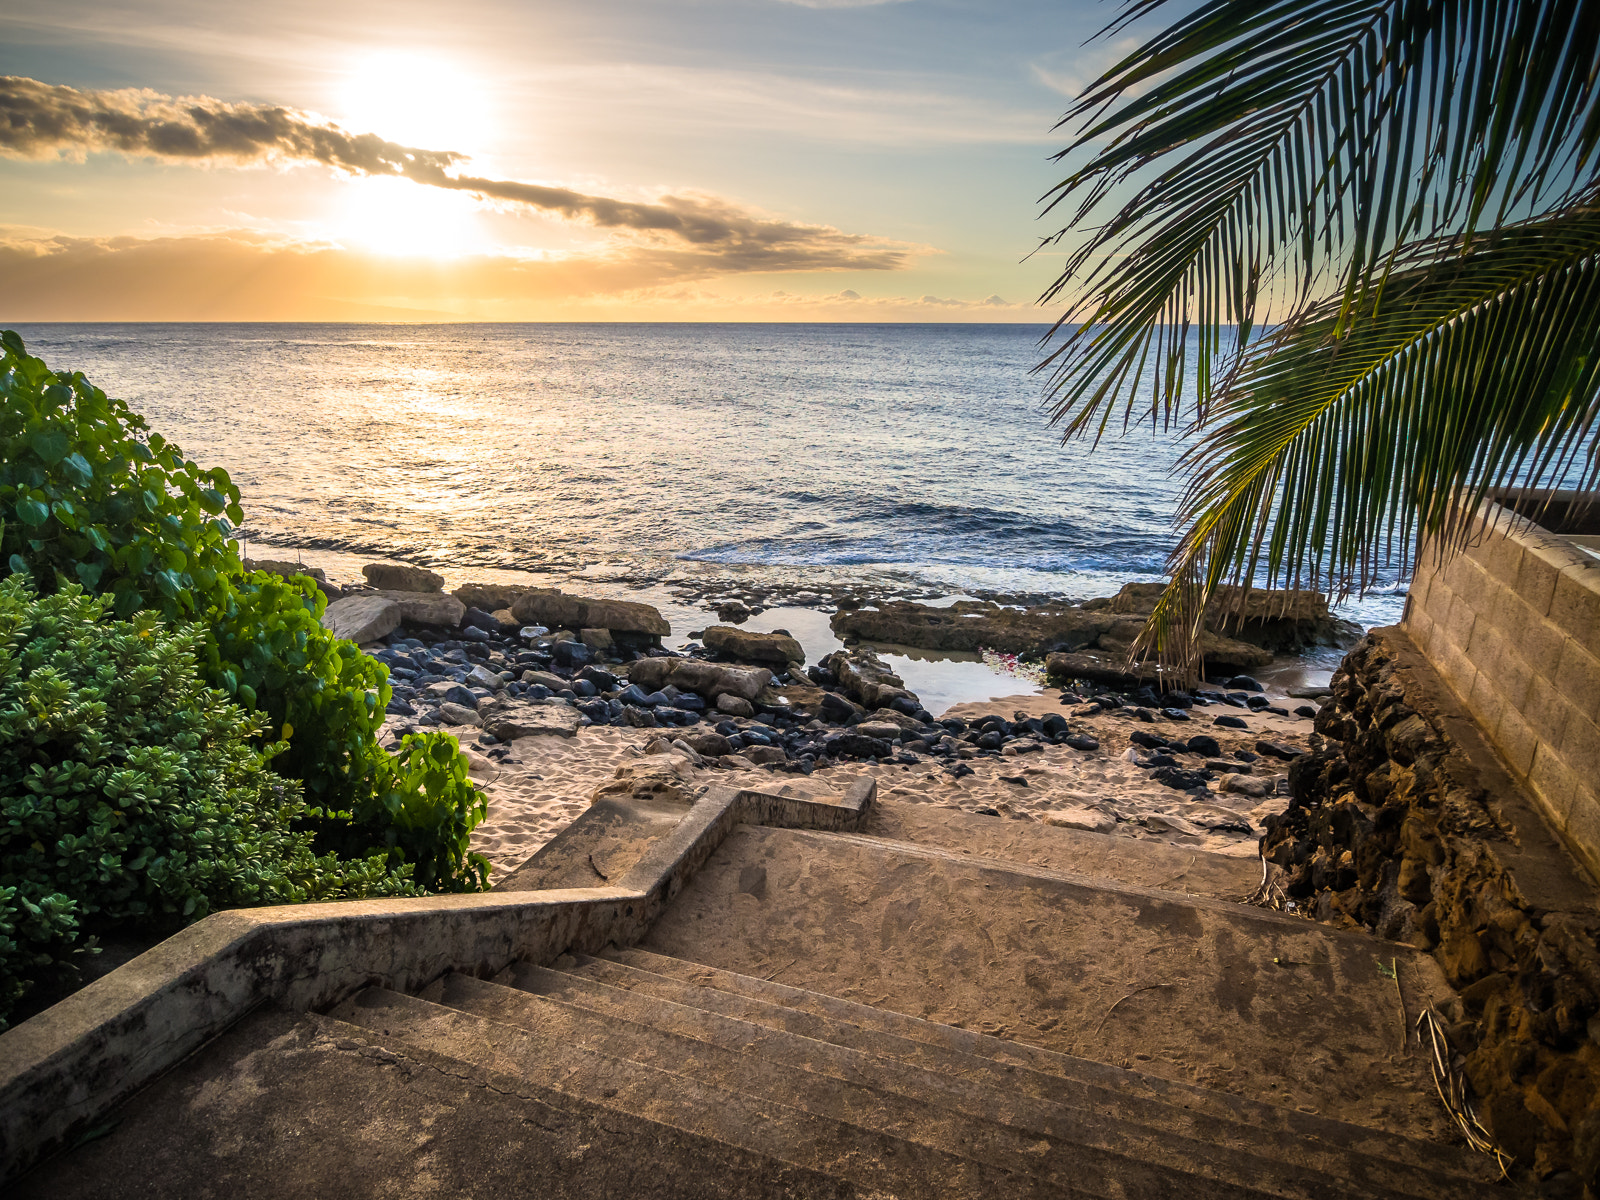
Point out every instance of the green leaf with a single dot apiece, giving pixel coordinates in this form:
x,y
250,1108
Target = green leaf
x,y
32,512
19,565
78,467
88,574
49,444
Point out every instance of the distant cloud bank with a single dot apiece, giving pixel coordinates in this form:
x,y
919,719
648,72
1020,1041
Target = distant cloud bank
x,y
41,120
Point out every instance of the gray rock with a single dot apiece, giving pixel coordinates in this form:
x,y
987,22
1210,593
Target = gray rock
x,y
735,706
709,680
362,618
436,609
598,640
777,649
545,679
512,719
458,714
397,577
481,676
551,608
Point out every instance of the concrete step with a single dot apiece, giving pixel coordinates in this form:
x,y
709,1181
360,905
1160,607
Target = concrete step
x,y
549,1056
1402,1164
1073,1116
1135,862
288,1105
833,1082
1225,996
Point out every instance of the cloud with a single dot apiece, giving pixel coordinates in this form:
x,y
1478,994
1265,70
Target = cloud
x,y
246,276
40,120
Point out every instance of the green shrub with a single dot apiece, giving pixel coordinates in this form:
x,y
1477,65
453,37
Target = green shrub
x,y
130,793
89,495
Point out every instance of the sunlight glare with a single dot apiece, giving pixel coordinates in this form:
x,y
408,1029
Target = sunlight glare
x,y
417,101
397,217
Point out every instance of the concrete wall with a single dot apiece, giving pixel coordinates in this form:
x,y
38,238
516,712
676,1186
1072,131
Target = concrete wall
x,y
1512,624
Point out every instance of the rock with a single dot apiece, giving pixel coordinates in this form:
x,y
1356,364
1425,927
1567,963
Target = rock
x,y
512,719
545,679
855,745
1178,778
570,654
361,618
491,597
837,709
712,745
454,693
884,730
458,714
503,619
1175,714
1278,750
1231,722
1244,683
655,777
901,722
761,755
709,680
744,646
1083,742
481,676
1167,823
552,608
1306,711
1088,819
863,676
598,640
1204,745
436,609
397,577
600,677
399,708
734,706
1246,785
1112,670
735,612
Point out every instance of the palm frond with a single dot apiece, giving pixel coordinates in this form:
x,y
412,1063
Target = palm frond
x,y
1282,152
1344,433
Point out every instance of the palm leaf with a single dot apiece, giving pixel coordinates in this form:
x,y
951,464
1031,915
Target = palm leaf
x,y
1475,368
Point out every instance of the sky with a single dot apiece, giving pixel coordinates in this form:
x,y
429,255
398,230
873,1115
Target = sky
x,y
535,160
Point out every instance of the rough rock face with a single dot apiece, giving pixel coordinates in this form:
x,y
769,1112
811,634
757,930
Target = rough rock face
x,y
554,609
396,577
709,680
1408,825
863,676
1266,622
362,618
285,570
491,597
778,649
509,719
656,777
427,608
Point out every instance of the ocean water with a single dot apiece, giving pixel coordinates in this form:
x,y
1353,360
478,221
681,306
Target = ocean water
x,y
809,453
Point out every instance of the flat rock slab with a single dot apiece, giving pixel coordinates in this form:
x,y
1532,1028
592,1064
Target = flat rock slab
x,y
362,618
512,719
284,1105
1117,859
1225,996
599,848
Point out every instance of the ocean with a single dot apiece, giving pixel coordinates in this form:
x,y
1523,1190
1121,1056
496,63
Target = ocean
x,y
810,453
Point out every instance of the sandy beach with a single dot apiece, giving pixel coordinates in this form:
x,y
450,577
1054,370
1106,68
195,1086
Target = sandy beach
x,y
548,781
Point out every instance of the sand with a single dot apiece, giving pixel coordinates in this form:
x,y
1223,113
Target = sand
x,y
548,781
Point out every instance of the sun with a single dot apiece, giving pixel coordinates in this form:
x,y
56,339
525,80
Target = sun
x,y
397,217
416,100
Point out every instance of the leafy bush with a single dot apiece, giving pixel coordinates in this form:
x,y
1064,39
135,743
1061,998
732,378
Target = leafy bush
x,y
89,495
133,794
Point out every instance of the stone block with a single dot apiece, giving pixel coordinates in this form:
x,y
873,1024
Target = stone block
x,y
1582,831
1460,619
1538,640
1454,667
1575,607
1546,711
1485,702
1499,555
1555,782
1577,677
1515,740
1580,745
361,618
1536,579
397,577
437,609
1512,674
1439,598
1465,575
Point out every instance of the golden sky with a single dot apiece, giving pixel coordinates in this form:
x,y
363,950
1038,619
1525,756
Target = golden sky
x,y
810,160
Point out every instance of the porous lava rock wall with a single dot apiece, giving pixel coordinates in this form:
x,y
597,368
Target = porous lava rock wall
x,y
1406,822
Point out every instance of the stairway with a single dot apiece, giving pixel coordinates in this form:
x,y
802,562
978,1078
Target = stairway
x,y
683,1067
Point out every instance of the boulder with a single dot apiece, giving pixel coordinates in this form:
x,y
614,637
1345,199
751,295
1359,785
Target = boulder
x,y
734,706
709,680
886,731
598,640
436,609
889,716
545,679
655,777
458,714
863,676
552,608
491,597
511,719
361,618
741,645
974,625
761,755
397,577
735,612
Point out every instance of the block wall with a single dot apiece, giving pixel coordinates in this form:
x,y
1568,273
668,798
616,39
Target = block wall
x,y
1513,626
